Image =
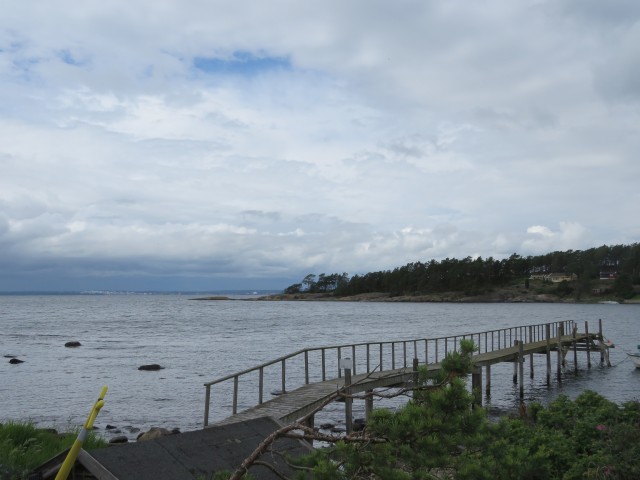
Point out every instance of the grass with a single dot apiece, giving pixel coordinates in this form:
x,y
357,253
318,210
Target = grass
x,y
23,446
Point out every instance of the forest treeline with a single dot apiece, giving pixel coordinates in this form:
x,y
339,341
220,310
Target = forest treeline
x,y
475,276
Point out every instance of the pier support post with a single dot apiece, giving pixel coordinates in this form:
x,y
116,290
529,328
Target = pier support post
x,y
415,374
601,337
515,364
521,367
531,355
560,355
310,423
368,404
487,385
588,342
476,386
548,338
348,401
575,349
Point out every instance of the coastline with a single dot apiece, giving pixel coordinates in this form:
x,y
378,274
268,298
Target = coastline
x,y
504,295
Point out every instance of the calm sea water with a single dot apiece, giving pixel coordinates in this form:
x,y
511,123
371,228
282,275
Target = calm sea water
x,y
199,341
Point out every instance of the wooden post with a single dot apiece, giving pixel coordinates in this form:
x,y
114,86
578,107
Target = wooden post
x,y
348,401
560,356
306,367
284,377
260,385
207,399
476,386
575,349
235,394
586,332
368,359
601,337
515,364
548,337
415,374
488,381
353,358
521,367
531,355
393,355
339,357
404,353
324,369
368,404
310,423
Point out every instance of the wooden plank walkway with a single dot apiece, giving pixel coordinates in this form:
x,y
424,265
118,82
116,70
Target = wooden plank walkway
x,y
295,404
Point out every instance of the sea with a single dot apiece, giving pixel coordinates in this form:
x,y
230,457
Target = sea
x,y
199,341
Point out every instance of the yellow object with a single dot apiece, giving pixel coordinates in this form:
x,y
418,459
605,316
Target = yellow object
x,y
63,473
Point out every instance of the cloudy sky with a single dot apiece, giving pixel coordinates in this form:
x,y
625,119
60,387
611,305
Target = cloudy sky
x,y
203,145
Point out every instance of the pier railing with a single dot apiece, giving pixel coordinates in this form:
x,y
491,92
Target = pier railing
x,y
322,363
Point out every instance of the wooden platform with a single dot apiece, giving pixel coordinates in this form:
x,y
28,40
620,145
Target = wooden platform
x,y
297,403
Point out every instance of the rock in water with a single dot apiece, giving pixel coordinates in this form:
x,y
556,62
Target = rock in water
x,y
15,361
151,367
72,344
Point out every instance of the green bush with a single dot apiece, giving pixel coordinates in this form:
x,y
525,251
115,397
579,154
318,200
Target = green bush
x,y
23,446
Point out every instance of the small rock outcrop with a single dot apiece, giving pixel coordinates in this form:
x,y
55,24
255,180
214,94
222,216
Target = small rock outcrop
x,y
15,361
73,344
156,432
151,367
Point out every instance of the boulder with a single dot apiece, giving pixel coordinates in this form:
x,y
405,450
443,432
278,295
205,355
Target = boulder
x,y
72,344
15,361
153,433
151,367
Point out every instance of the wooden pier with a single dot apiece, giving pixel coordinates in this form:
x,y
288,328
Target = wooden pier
x,y
373,365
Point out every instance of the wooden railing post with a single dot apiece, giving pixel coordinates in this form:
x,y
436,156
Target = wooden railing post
x,y
393,355
235,394
368,359
261,386
324,369
353,358
306,367
207,400
404,353
284,376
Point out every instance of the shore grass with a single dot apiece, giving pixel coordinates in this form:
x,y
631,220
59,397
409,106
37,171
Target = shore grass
x,y
23,446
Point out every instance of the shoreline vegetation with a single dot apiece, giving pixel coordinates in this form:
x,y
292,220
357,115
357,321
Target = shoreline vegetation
x,y
538,292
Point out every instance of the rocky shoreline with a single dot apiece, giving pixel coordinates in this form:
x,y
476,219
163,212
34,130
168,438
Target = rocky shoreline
x,y
496,296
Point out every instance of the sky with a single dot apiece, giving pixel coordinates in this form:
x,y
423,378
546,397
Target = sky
x,y
211,145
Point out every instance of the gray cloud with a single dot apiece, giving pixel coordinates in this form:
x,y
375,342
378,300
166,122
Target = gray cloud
x,y
158,145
